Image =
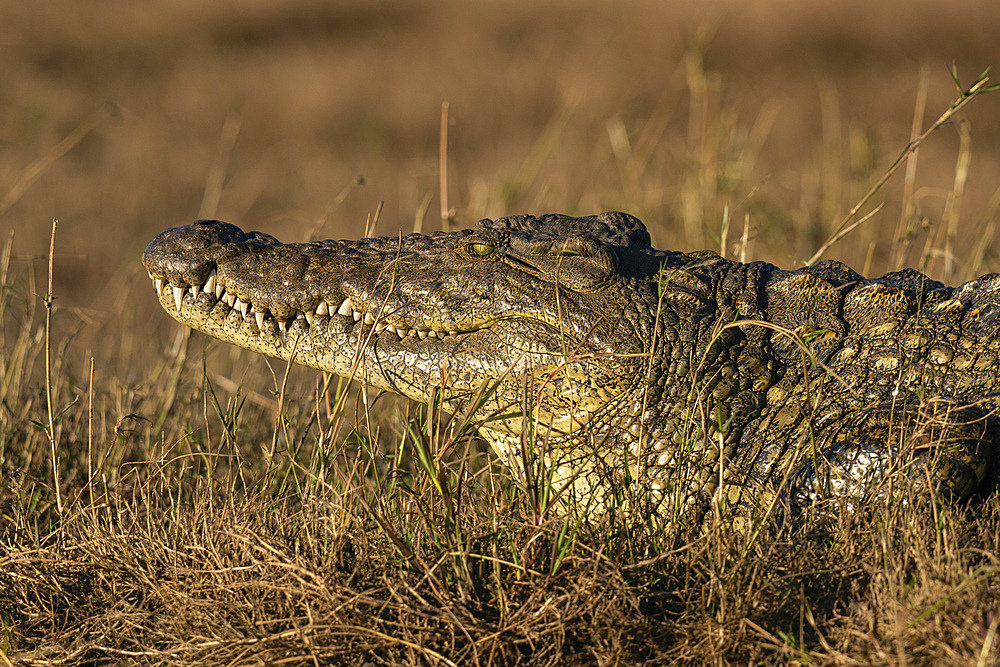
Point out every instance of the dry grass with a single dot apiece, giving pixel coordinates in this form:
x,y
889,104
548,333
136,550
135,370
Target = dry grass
x,y
211,509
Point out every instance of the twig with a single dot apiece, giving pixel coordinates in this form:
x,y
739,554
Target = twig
x,y
4,266
48,298
90,433
908,207
36,169
223,150
445,211
965,96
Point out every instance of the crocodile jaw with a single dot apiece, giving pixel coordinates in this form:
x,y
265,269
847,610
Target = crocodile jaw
x,y
218,280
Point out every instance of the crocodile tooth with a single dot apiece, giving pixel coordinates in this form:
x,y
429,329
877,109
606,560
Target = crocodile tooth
x,y
369,319
210,283
422,333
150,274
219,290
452,333
310,316
240,306
322,308
158,284
402,333
357,315
299,315
194,292
379,327
346,308
178,296
260,319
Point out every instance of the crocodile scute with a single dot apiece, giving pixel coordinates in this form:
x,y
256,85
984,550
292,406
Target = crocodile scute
x,y
652,380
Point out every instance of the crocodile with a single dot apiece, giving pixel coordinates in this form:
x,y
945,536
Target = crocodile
x,y
628,378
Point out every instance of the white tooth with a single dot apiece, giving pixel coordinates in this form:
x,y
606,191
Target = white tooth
x,y
283,325
401,333
240,306
346,308
369,319
150,274
158,283
356,315
219,290
229,298
310,315
422,333
194,292
379,327
210,283
432,333
452,333
260,320
322,308
299,315
178,296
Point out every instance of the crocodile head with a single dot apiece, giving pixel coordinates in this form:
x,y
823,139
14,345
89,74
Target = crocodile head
x,y
520,316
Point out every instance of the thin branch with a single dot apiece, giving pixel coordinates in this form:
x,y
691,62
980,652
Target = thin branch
x,y
48,298
965,96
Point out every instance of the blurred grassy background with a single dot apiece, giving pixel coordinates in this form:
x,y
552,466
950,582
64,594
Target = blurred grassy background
x,y
265,113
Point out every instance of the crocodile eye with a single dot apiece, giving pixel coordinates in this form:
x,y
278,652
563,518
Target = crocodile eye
x,y
481,249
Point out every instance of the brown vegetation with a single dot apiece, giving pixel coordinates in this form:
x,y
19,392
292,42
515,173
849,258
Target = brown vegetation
x,y
207,506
